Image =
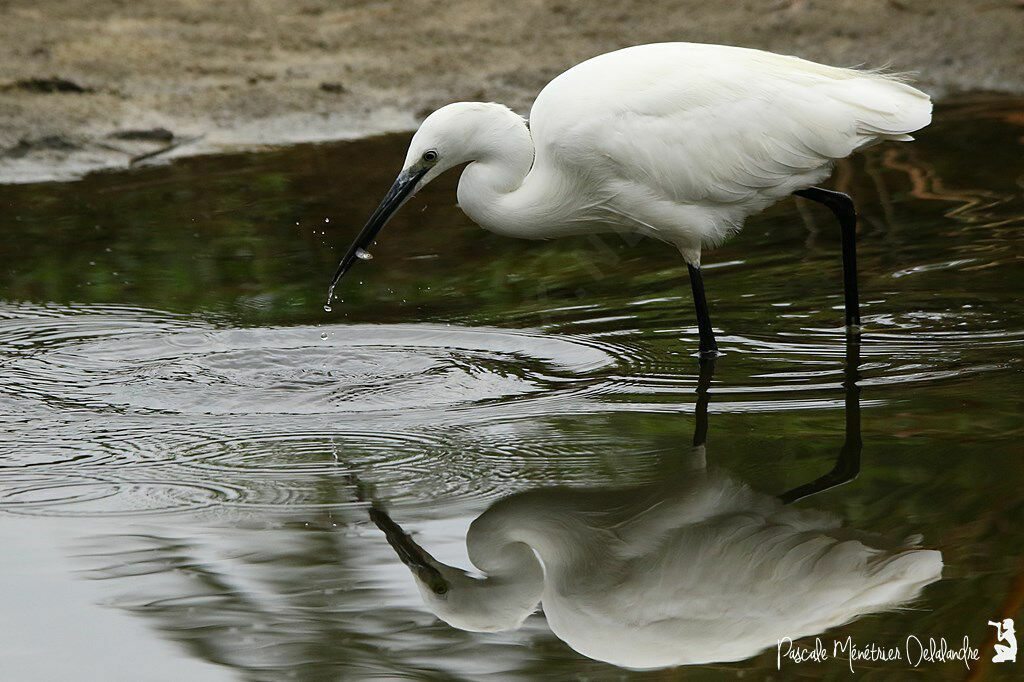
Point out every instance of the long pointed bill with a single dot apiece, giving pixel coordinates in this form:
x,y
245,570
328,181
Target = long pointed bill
x,y
411,554
393,200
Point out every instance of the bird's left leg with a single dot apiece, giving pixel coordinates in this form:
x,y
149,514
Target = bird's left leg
x,y
700,409
842,207
708,347
698,460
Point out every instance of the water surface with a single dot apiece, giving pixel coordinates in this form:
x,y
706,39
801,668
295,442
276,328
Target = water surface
x,y
192,447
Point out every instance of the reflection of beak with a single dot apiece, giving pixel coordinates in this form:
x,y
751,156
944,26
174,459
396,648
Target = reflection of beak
x,y
393,200
411,554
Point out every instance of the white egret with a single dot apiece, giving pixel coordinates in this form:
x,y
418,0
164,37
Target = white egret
x,y
676,141
697,568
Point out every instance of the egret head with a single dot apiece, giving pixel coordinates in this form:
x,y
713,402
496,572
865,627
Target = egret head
x,y
453,135
490,604
458,133
480,604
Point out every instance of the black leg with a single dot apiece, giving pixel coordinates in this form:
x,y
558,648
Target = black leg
x,y
842,207
708,347
847,464
700,428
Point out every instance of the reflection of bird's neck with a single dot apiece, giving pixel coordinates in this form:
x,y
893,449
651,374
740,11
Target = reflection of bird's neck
x,y
515,577
503,550
536,535
513,585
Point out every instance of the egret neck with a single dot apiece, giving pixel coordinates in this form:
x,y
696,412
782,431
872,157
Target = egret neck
x,y
501,600
491,189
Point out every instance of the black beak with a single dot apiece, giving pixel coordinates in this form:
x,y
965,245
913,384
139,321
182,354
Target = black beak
x,y
393,200
411,554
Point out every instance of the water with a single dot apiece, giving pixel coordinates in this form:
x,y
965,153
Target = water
x,y
189,467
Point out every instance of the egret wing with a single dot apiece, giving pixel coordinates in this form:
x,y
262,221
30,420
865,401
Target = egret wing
x,y
711,124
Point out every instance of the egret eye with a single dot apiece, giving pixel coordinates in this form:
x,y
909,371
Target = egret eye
x,y
430,156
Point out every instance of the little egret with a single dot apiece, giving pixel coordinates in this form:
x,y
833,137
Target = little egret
x,y
696,568
676,141
702,570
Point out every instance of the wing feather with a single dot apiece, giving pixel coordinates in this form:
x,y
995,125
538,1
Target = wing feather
x,y
709,124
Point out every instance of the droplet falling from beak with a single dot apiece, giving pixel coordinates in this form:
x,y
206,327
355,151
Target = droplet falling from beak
x,y
402,189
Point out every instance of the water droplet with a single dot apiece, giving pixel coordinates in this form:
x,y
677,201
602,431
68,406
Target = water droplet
x,y
323,335
327,308
363,254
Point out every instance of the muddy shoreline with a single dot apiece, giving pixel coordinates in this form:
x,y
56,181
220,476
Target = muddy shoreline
x,y
105,84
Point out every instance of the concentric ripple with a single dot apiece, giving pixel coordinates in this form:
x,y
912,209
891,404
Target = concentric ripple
x,y
124,411
79,495
98,362
127,411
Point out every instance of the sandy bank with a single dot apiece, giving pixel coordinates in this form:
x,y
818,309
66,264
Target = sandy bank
x,y
96,84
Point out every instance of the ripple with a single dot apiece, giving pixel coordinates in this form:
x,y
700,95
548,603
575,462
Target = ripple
x,y
907,349
82,496
125,411
131,411
101,361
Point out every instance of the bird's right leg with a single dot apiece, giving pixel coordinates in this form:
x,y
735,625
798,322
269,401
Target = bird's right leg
x,y
847,465
842,208
708,347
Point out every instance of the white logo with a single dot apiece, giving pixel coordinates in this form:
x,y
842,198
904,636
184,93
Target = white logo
x,y
1004,633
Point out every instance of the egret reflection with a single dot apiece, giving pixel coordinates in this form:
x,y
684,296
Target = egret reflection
x,y
696,568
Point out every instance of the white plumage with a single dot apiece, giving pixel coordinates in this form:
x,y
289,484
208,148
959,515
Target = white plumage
x,y
699,569
677,141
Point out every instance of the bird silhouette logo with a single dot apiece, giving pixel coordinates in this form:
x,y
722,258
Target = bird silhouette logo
x,y
1004,633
